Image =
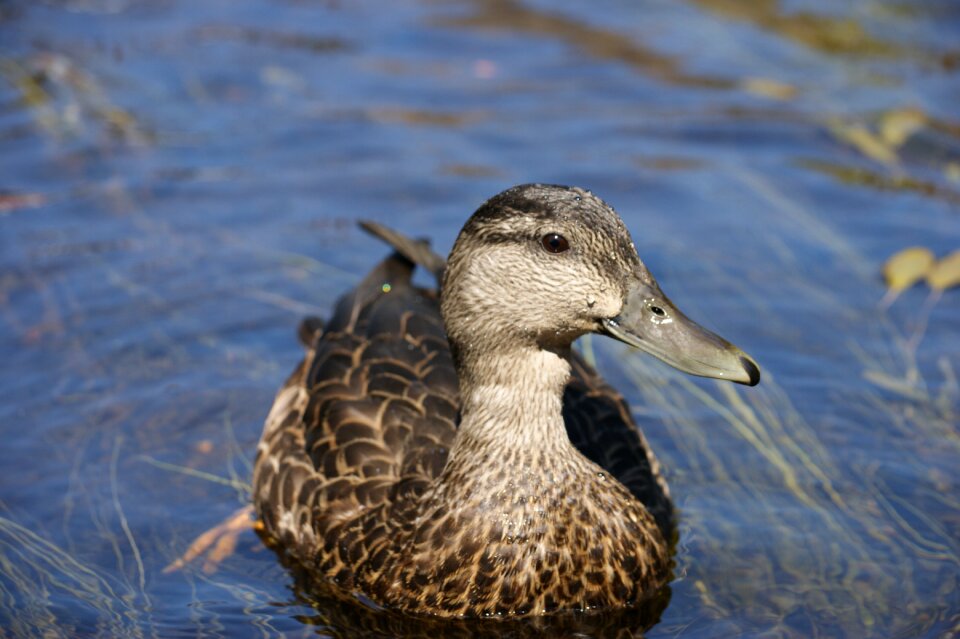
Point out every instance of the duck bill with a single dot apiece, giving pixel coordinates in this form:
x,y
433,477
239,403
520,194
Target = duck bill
x,y
649,321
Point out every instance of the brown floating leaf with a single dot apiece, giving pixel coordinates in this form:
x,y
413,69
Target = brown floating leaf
x,y
10,202
424,117
470,170
906,267
830,34
883,180
945,273
220,541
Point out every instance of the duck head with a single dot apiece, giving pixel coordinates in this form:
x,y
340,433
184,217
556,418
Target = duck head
x,y
540,265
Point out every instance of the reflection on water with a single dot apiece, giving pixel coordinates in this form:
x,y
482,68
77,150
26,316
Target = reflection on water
x,y
179,184
336,614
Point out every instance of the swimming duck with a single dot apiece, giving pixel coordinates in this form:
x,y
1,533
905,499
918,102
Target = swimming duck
x,y
449,454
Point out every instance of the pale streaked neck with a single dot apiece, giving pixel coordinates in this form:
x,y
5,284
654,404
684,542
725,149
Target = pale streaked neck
x,y
512,399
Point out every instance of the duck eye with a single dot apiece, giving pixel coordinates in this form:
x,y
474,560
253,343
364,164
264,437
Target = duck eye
x,y
657,311
554,243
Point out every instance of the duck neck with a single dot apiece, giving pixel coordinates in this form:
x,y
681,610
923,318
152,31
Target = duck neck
x,y
512,400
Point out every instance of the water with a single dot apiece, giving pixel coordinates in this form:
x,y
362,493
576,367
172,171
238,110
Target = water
x,y
179,184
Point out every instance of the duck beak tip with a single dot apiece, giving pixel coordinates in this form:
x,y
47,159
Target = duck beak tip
x,y
650,321
753,371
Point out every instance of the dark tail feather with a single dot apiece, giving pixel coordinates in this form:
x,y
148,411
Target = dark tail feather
x,y
417,251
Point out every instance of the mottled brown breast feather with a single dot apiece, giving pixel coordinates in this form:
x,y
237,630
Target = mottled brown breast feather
x,y
364,425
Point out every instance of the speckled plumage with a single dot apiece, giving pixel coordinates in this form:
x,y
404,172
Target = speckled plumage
x,y
362,475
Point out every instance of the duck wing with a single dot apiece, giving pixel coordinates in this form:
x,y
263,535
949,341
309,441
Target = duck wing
x,y
370,411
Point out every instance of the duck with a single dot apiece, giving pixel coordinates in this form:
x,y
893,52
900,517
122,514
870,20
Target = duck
x,y
445,451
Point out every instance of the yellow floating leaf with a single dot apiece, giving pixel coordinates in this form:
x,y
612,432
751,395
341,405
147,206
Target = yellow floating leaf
x,y
904,268
865,141
223,549
952,171
898,125
768,88
282,78
945,273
